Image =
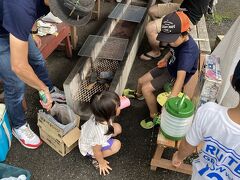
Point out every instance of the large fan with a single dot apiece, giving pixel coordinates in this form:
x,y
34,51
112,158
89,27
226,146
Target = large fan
x,y
73,12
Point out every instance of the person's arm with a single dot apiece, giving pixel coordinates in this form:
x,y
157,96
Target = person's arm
x,y
163,62
21,67
46,2
178,85
103,164
194,136
184,151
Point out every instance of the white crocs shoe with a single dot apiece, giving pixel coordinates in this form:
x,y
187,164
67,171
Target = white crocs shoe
x,y
27,137
58,95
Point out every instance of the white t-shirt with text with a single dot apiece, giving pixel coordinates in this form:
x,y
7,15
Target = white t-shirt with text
x,y
219,158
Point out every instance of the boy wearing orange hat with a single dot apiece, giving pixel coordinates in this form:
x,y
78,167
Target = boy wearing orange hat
x,y
182,62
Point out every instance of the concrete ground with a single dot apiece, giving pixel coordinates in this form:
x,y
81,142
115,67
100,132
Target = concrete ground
x,y
138,145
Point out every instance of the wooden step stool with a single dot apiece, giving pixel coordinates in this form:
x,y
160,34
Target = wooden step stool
x,y
51,42
159,161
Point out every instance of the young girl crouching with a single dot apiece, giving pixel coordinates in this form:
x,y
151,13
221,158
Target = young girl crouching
x,y
96,139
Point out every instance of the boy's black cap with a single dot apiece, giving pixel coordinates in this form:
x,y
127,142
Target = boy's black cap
x,y
173,25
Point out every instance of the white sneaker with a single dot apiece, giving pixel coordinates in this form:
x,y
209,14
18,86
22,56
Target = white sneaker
x,y
27,137
58,95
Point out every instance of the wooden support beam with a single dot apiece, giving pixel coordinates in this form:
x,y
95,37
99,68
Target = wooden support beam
x,y
96,10
74,37
156,157
167,164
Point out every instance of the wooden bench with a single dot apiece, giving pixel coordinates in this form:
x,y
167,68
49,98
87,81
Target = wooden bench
x,y
51,42
200,35
192,86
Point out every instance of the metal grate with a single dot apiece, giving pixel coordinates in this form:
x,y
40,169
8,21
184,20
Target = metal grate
x,y
84,94
104,47
128,12
101,65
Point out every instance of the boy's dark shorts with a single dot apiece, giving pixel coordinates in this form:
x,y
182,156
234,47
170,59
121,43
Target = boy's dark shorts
x,y
160,77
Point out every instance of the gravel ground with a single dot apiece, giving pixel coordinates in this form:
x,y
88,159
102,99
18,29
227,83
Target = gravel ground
x,y
227,12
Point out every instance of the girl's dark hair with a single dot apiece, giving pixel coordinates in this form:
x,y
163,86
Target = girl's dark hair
x,y
236,78
103,106
185,33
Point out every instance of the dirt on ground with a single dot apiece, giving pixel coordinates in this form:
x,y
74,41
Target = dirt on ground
x,y
219,23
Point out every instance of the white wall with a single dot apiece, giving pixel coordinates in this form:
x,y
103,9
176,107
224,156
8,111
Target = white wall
x,y
229,52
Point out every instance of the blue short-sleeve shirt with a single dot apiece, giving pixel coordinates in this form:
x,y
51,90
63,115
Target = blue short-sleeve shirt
x,y
18,16
185,57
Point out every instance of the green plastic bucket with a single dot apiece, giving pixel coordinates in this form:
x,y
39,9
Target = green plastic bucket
x,y
176,117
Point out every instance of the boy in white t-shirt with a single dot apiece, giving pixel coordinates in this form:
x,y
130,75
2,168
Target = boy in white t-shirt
x,y
219,128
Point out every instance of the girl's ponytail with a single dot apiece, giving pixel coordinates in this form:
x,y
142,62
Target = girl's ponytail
x,y
110,129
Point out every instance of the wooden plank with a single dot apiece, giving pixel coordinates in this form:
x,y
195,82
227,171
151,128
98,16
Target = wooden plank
x,y
194,34
203,34
218,40
74,37
167,164
96,10
164,141
191,87
157,155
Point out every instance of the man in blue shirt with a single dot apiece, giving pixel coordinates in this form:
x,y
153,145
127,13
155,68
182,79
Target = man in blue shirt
x,y
21,62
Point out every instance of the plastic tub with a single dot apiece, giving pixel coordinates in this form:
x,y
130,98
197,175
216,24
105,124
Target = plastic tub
x,y
11,171
5,133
